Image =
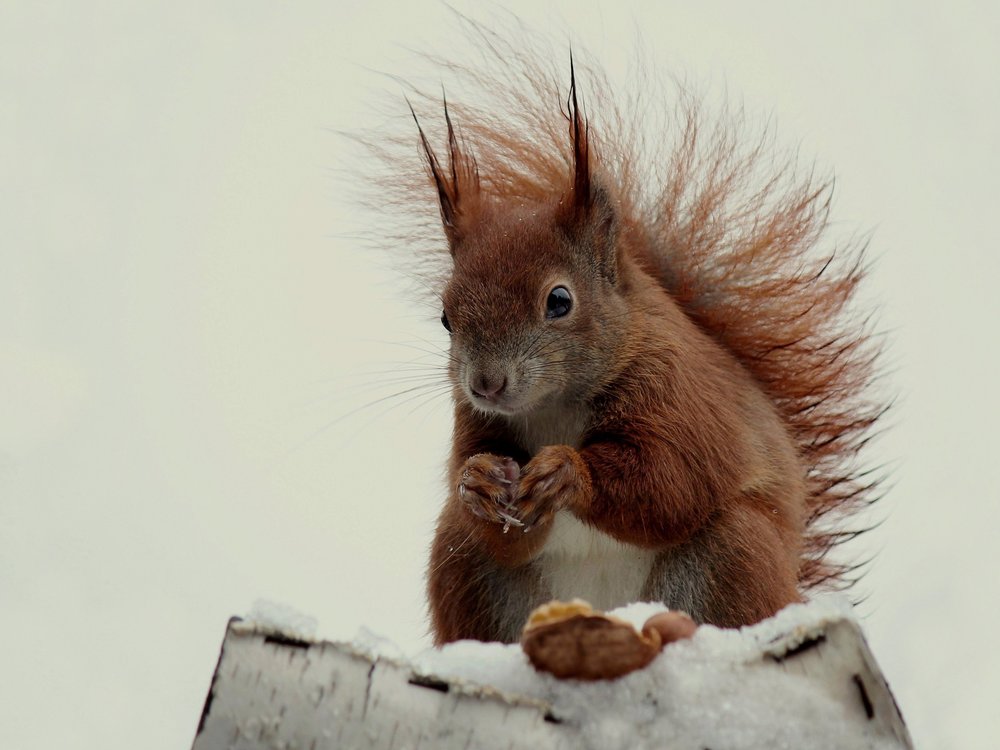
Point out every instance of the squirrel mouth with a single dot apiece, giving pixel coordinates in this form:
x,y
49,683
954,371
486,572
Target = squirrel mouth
x,y
505,401
502,403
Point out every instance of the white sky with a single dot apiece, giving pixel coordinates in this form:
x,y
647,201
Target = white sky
x,y
184,320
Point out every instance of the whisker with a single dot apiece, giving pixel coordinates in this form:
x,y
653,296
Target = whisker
x,y
431,389
352,390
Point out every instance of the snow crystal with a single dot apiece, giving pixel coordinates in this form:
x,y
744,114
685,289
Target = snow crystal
x,y
376,646
277,616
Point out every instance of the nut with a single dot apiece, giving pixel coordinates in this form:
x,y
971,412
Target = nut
x,y
572,641
672,626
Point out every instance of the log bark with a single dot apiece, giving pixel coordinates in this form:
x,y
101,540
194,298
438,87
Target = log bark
x,y
275,691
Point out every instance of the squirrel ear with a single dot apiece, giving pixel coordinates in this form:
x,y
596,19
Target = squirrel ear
x,y
459,186
595,232
589,216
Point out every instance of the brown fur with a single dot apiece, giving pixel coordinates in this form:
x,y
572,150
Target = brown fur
x,y
708,389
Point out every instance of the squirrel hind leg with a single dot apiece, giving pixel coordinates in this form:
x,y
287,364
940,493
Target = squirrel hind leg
x,y
471,596
736,572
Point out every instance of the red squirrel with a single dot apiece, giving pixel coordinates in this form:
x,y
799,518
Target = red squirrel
x,y
659,391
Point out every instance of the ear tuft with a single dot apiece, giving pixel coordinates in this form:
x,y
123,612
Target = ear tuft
x,y
458,188
589,215
579,131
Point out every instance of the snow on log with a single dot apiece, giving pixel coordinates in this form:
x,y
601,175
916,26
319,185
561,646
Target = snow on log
x,y
804,678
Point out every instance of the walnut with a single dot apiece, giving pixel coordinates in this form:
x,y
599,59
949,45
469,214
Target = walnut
x,y
572,641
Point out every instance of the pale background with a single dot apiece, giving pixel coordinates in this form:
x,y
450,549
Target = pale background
x,y
184,322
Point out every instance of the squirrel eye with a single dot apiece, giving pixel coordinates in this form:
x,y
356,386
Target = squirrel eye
x,y
558,303
445,323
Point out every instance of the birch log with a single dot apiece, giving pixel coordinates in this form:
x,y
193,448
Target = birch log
x,y
274,691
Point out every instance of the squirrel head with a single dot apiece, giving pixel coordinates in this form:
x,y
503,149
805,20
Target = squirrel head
x,y
534,303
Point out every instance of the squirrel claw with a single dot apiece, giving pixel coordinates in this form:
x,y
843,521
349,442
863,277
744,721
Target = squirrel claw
x,y
509,520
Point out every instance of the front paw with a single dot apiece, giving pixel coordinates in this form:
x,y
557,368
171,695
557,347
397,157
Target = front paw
x,y
486,487
554,479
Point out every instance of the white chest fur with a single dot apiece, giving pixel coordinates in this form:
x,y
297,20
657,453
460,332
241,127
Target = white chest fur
x,y
579,561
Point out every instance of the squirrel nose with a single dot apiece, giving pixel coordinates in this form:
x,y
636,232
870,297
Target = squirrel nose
x,y
490,387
